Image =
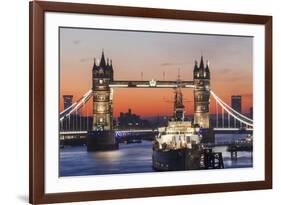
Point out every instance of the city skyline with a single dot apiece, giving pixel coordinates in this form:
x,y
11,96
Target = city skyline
x,y
158,56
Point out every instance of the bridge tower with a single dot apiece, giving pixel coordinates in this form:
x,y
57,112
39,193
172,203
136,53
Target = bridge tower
x,y
102,136
102,105
201,78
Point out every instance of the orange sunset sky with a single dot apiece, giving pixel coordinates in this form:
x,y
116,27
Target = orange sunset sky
x,y
154,53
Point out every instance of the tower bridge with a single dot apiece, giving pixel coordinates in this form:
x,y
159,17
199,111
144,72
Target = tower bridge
x,y
101,135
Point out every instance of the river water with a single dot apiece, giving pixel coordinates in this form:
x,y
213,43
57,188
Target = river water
x,y
129,158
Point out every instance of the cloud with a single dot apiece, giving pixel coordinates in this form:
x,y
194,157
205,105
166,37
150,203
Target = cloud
x,y
172,64
247,95
76,42
226,70
84,60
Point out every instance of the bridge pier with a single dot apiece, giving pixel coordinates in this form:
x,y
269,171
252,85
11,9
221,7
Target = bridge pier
x,y
101,141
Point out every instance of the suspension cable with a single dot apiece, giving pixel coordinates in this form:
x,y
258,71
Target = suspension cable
x,y
243,116
226,109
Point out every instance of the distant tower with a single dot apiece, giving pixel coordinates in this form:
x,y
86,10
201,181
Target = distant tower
x,y
236,103
201,78
67,101
102,96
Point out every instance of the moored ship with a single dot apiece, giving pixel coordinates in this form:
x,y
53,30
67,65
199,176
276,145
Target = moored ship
x,y
178,145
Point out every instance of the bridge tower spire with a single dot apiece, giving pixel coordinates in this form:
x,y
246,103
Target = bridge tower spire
x,y
201,78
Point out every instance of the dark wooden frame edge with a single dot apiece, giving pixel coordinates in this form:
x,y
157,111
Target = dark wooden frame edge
x,y
37,193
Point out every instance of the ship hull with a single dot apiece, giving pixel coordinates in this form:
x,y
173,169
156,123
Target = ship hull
x,y
176,160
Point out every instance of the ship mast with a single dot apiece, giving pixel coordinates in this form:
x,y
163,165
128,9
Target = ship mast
x,y
178,101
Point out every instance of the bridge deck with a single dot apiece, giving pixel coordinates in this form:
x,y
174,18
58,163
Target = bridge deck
x,y
151,84
216,131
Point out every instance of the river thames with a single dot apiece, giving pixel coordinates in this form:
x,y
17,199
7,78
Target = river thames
x,y
129,158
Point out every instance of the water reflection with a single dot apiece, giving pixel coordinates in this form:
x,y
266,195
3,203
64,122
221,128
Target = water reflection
x,y
130,158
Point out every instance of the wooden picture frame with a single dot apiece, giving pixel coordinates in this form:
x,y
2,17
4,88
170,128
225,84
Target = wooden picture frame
x,y
37,98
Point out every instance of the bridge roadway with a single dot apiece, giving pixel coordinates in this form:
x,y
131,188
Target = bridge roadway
x,y
151,84
124,132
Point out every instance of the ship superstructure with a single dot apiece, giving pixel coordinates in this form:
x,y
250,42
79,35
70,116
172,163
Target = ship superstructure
x,y
179,133
177,146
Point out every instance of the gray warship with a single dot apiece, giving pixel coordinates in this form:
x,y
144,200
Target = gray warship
x,y
178,145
